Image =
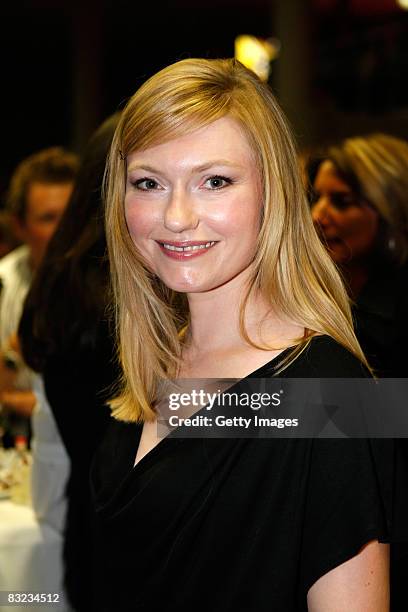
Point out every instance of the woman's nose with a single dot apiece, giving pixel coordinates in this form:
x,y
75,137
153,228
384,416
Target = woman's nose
x,y
321,211
180,214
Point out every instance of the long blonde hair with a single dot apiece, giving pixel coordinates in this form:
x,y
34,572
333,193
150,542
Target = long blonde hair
x,y
291,267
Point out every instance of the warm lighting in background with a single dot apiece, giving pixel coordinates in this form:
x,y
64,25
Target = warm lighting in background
x,y
256,53
403,4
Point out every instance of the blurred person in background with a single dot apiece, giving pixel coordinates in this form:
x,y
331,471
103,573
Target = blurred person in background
x,y
39,192
359,198
65,335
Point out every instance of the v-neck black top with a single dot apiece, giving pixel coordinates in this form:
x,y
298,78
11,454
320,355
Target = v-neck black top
x,y
235,525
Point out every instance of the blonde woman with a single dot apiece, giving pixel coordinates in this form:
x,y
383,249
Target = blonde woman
x,y
218,273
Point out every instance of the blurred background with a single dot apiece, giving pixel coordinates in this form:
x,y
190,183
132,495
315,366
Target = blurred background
x,y
338,67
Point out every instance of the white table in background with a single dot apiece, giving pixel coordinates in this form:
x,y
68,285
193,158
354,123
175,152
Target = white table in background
x,y
30,556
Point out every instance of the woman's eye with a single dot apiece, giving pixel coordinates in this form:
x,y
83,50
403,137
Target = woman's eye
x,y
146,184
217,182
342,200
339,199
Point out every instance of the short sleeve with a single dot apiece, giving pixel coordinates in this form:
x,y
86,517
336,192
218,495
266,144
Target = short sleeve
x,y
347,504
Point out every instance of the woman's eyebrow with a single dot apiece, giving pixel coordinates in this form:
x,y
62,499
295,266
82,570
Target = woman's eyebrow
x,y
215,162
144,167
198,168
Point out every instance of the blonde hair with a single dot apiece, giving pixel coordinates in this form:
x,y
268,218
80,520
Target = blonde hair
x,y
291,267
376,168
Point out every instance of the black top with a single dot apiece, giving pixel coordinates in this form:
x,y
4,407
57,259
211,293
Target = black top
x,y
380,315
232,525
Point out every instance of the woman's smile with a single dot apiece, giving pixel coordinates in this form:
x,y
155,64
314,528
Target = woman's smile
x,y
185,250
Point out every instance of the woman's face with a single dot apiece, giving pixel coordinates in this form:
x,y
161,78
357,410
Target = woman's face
x,y
349,225
193,207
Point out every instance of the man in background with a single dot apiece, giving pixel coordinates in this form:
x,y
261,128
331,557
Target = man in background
x,y
39,192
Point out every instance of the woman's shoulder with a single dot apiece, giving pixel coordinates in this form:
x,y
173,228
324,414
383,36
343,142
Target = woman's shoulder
x,y
323,357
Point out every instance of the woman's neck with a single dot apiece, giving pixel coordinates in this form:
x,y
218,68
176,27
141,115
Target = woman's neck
x,y
215,319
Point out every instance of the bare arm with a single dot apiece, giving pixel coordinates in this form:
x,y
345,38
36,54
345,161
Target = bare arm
x,y
358,585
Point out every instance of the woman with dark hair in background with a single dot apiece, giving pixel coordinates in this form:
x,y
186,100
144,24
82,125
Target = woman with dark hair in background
x,y
65,335
359,201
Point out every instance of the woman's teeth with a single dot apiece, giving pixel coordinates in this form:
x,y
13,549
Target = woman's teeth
x,y
196,247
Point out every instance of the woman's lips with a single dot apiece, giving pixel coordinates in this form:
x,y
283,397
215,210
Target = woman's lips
x,y
185,250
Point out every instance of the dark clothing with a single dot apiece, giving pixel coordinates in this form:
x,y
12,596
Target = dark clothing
x,y
232,525
380,315
77,382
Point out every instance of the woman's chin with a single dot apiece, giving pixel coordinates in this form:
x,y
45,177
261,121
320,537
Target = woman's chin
x,y
184,285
